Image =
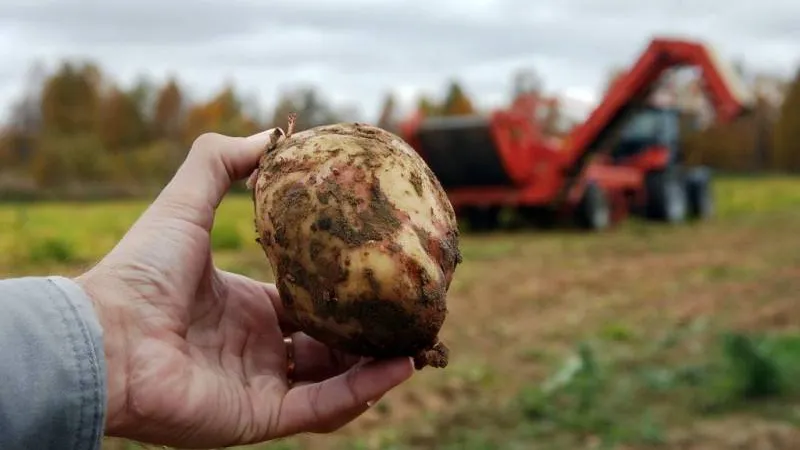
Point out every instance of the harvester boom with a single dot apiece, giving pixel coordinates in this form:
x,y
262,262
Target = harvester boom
x,y
726,91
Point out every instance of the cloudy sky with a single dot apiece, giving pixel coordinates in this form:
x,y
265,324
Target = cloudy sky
x,y
358,49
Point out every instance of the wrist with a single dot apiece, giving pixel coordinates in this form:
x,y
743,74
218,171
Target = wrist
x,y
109,314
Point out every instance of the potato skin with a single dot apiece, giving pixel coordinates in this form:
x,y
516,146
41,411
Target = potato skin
x,y
362,240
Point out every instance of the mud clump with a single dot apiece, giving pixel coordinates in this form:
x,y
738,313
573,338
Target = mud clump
x,y
361,237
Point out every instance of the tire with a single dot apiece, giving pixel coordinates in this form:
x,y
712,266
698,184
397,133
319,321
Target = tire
x,y
594,211
537,217
667,199
700,194
482,220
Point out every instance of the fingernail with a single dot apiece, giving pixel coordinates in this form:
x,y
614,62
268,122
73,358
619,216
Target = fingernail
x,y
394,368
372,402
260,136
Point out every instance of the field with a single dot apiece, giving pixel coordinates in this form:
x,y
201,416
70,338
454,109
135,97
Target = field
x,y
647,336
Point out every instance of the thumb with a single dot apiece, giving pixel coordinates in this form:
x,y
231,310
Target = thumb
x,y
214,162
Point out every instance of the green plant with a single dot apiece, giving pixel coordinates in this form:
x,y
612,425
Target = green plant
x,y
754,372
225,236
753,368
51,250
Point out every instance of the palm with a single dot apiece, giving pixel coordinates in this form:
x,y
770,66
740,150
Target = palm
x,y
200,377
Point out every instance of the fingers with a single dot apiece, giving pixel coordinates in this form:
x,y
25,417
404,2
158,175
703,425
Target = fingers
x,y
315,361
328,405
214,162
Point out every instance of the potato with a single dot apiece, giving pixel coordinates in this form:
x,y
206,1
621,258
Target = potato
x,y
361,238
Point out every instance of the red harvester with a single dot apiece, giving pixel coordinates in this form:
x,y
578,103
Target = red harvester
x,y
624,159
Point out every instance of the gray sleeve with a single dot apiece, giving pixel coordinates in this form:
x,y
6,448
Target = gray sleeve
x,y
52,366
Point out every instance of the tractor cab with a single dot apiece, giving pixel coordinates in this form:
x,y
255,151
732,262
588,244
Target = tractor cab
x,y
649,127
650,141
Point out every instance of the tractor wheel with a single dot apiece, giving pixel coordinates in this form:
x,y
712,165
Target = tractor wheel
x,y
483,219
594,211
537,217
667,199
700,194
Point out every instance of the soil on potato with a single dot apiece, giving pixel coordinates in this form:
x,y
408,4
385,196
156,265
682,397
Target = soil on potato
x,y
350,205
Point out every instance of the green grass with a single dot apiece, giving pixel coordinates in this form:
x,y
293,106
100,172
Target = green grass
x,y
738,197
559,340
65,233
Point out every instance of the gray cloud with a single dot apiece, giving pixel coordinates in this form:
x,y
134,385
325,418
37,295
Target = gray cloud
x,y
358,49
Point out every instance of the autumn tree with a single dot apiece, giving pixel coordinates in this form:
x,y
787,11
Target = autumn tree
x,y
427,107
122,124
312,109
85,134
457,102
67,149
786,134
143,93
70,99
763,123
285,106
168,111
17,138
222,114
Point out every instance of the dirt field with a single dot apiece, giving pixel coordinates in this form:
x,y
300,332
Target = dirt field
x,y
646,336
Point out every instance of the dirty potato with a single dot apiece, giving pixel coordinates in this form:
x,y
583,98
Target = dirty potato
x,y
361,237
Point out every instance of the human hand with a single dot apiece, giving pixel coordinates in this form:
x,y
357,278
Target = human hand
x,y
195,355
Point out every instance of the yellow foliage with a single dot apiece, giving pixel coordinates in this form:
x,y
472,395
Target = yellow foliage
x,y
222,114
457,102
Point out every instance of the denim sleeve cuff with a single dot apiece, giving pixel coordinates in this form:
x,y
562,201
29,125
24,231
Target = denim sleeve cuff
x,y
52,366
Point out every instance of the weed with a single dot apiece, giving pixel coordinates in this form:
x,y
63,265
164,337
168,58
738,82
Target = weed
x,y
752,369
617,332
51,250
592,396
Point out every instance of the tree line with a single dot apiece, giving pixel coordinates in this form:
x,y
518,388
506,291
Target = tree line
x,y
77,133
767,139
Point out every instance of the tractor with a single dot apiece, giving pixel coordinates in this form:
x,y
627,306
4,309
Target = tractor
x,y
624,159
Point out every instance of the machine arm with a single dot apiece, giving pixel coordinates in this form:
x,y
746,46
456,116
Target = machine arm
x,y
725,90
